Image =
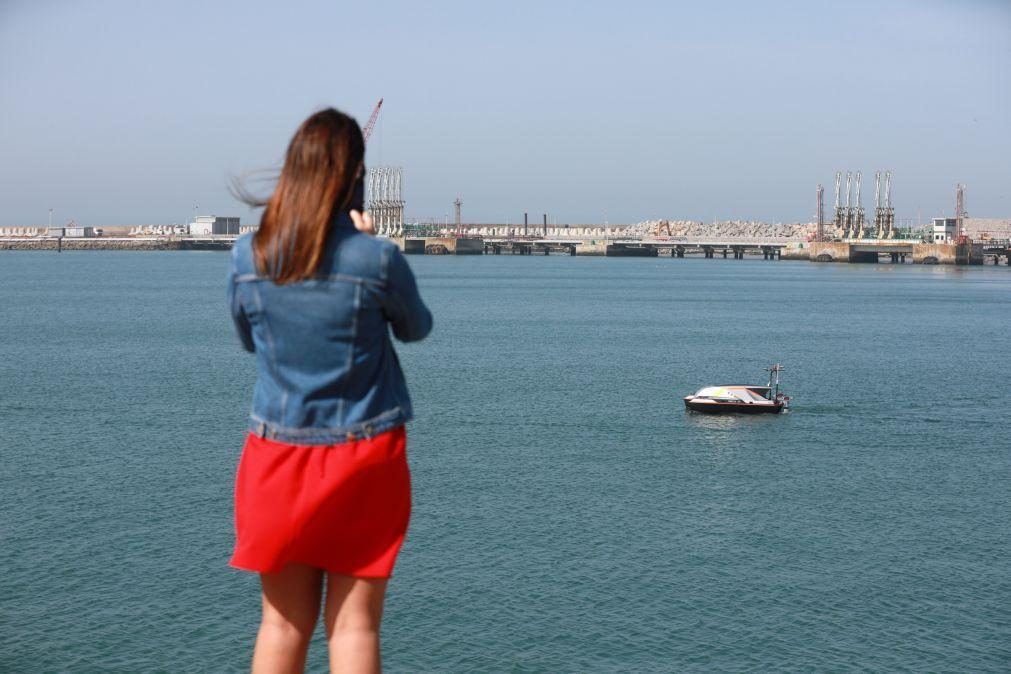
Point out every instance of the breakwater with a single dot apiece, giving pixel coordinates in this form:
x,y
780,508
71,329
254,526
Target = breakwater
x,y
726,247
855,251
117,243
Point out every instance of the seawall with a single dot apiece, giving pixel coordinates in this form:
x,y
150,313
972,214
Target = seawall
x,y
916,252
46,243
442,245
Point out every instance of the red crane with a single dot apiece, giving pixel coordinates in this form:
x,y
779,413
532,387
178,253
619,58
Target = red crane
x,y
367,131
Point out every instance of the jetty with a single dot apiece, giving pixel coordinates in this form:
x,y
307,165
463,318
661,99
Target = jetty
x,y
896,251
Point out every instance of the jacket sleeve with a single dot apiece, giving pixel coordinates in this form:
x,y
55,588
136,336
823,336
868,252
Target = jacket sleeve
x,y
239,317
408,316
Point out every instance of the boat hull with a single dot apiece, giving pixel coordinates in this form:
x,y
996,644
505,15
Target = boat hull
x,y
733,408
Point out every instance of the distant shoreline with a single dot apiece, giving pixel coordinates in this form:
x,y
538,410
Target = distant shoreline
x,y
856,251
113,243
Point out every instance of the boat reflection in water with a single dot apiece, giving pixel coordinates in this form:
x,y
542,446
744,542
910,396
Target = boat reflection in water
x,y
741,399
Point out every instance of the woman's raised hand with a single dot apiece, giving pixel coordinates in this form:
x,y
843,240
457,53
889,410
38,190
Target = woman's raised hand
x,y
363,222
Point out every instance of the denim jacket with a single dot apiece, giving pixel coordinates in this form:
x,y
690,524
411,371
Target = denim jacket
x,y
326,369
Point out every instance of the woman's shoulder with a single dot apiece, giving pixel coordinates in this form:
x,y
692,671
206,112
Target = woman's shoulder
x,y
242,254
363,255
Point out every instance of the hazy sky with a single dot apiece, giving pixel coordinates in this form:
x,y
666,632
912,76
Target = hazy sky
x,y
121,112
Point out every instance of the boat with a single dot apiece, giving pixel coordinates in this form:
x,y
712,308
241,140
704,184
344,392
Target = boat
x,y
738,399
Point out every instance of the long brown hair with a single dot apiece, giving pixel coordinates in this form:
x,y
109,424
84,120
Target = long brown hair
x,y
317,181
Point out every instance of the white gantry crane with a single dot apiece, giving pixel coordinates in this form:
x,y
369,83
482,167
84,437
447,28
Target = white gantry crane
x,y
840,215
858,220
849,207
884,214
889,224
385,189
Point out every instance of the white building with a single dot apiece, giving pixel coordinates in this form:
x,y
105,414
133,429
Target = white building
x,y
944,230
210,225
79,231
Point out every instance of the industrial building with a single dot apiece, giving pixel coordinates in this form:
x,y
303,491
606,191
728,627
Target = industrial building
x,y
79,231
945,230
212,225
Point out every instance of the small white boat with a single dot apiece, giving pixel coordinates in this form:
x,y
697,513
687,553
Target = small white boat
x,y
741,399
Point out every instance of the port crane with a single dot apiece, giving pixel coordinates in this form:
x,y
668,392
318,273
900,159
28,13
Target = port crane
x,y
367,131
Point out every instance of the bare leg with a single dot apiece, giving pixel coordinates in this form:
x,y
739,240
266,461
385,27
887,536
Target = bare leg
x,y
291,599
354,609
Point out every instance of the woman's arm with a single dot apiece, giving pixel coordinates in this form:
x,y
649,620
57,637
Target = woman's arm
x,y
408,316
239,317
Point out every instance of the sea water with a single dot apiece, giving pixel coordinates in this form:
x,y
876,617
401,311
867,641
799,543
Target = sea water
x,y
569,515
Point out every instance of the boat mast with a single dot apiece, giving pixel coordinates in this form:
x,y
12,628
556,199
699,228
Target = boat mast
x,y
774,377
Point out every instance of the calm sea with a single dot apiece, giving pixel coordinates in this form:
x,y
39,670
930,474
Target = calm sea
x,y
569,516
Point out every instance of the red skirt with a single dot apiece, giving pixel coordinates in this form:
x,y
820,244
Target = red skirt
x,y
343,508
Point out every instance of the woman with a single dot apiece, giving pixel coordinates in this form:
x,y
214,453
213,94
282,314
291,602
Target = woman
x,y
323,490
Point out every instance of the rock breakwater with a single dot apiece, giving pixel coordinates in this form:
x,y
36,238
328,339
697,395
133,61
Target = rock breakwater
x,y
47,243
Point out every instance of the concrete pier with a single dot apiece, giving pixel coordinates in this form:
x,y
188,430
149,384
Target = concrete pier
x,y
60,244
623,250
443,245
896,252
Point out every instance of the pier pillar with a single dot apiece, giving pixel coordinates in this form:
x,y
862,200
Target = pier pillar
x,y
724,253
547,251
679,252
765,253
572,250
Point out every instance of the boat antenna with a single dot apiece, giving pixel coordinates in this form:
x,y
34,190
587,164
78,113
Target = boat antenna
x,y
774,377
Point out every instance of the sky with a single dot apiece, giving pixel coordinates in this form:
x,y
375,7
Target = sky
x,y
120,112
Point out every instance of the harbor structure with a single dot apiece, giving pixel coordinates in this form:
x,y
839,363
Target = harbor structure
x,y
213,225
819,234
384,189
848,238
884,214
945,230
78,231
385,199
